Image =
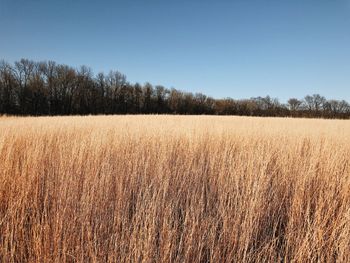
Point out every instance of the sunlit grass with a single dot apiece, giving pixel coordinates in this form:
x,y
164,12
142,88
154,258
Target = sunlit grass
x,y
174,189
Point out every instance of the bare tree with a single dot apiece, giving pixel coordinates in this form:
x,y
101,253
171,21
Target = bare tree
x,y
41,88
294,104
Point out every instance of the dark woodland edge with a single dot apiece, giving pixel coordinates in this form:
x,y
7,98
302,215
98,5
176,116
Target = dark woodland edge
x,y
47,88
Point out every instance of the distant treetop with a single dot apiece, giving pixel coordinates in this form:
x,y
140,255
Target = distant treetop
x,y
48,88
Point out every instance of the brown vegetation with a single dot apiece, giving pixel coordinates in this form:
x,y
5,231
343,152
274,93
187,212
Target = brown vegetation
x,y
174,189
30,88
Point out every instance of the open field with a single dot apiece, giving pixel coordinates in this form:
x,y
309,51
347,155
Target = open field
x,y
174,189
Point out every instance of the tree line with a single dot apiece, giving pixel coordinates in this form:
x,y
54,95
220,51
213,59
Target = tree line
x,y
49,88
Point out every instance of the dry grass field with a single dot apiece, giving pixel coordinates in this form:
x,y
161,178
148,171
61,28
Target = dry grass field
x,y
174,189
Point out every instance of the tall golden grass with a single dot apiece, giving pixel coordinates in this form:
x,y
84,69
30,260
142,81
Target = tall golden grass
x,y
174,189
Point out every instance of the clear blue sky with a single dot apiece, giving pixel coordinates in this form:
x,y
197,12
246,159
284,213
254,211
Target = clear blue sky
x,y
235,49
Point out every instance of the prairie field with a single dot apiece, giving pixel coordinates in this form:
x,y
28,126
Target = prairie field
x,y
174,189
